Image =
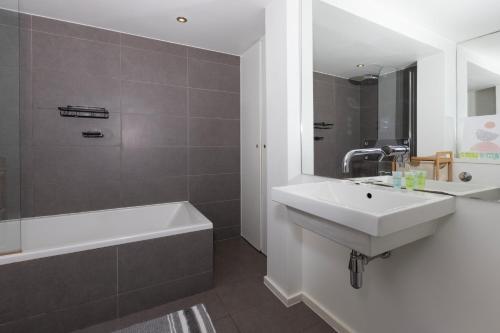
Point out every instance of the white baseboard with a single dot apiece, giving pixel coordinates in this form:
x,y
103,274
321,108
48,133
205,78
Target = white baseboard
x,y
280,294
332,320
324,314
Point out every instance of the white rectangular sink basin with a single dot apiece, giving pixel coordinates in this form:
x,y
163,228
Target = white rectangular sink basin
x,y
367,218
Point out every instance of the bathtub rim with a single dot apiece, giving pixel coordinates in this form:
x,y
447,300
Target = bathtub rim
x,y
40,253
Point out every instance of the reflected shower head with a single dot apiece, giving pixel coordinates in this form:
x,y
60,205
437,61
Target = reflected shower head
x,y
366,79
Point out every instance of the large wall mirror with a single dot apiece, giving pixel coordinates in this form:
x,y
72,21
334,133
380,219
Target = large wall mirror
x,y
378,100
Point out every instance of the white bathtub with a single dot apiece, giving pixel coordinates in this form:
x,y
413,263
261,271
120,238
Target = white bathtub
x,y
60,234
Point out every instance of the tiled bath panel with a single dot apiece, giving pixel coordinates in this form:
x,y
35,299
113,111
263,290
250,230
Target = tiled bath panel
x,y
72,291
238,303
173,132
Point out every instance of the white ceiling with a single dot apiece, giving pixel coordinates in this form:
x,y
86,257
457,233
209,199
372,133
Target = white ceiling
x,y
457,20
342,40
228,26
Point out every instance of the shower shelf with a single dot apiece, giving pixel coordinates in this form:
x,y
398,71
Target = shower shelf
x,y
323,125
83,112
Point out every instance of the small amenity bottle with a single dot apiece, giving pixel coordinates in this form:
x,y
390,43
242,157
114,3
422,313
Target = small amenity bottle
x,y
397,179
421,178
410,180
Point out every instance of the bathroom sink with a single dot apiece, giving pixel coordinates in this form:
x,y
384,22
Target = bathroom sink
x,y
367,218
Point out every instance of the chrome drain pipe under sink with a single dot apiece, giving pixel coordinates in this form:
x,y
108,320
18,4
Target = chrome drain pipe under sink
x,y
357,262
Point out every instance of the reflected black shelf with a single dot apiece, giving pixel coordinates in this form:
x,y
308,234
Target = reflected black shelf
x,y
83,112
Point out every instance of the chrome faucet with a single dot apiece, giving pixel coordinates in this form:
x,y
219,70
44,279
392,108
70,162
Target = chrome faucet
x,y
398,152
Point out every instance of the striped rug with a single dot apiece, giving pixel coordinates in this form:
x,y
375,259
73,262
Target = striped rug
x,y
192,320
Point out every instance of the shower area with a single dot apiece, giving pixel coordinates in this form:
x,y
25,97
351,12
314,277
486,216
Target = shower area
x,y
11,140
115,175
371,106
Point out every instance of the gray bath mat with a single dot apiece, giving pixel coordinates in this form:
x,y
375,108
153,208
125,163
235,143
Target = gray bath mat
x,y
192,320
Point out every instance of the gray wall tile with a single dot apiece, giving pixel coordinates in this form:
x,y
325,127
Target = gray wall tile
x,y
53,283
216,104
9,39
151,66
84,164
140,97
146,153
75,196
213,160
136,193
214,132
141,130
153,45
222,214
75,56
212,56
49,128
52,89
147,263
210,188
153,164
209,75
74,30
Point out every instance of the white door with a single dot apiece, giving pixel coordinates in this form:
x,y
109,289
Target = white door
x,y
251,145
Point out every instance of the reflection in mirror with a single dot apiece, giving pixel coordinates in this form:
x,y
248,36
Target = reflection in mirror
x,y
364,96
478,88
478,115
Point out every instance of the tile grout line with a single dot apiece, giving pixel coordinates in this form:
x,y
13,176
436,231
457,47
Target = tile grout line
x,y
188,130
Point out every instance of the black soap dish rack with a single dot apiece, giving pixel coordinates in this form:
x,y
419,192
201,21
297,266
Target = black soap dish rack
x,y
83,112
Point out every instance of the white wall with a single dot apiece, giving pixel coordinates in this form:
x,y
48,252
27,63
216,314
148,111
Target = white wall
x,y
283,140
447,283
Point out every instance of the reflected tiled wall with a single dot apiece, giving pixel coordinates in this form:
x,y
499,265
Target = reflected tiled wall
x,y
173,133
335,101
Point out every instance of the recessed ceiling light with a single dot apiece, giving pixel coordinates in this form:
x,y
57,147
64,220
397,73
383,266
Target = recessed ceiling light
x,y
360,65
182,19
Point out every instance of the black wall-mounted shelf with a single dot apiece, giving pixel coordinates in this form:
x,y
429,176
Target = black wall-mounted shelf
x,y
83,112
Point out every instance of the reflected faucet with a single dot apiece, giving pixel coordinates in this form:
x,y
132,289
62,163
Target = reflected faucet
x,y
400,153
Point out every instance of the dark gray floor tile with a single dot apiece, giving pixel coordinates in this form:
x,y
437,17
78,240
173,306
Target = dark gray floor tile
x,y
222,214
238,264
244,295
214,132
75,56
153,45
151,66
66,320
225,325
227,232
275,317
213,56
50,129
321,327
141,97
216,104
213,160
152,130
209,75
211,188
153,164
56,283
160,294
147,263
51,89
136,193
74,30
